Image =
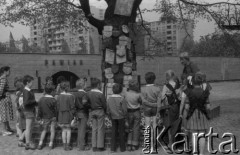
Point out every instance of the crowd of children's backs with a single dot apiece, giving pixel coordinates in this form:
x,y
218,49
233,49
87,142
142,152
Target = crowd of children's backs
x,y
62,108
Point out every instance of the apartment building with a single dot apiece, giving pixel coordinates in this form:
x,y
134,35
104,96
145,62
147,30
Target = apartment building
x,y
169,35
55,38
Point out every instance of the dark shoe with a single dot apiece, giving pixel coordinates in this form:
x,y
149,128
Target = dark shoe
x,y
129,148
30,147
95,149
51,147
40,147
65,147
84,149
69,147
101,149
21,144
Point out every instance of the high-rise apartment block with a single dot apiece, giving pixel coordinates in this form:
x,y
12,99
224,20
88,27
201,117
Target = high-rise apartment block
x,y
55,38
168,36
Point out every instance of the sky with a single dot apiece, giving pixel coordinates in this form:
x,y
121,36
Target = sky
x,y
202,27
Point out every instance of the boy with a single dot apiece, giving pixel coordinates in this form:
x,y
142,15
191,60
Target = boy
x,y
21,121
117,109
47,107
29,104
151,100
81,113
97,101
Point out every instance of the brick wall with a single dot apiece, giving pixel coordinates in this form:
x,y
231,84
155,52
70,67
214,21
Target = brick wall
x,y
216,68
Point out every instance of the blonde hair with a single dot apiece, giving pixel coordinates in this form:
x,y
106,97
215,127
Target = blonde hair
x,y
80,83
170,74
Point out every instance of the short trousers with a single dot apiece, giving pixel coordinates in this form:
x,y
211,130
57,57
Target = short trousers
x,y
48,122
29,115
65,125
150,111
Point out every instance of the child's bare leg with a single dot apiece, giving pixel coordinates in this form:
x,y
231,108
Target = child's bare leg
x,y
68,135
28,130
52,134
64,135
22,136
43,134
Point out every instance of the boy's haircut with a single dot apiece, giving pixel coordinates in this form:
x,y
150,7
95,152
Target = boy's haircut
x,y
150,77
64,85
60,79
117,88
95,82
48,78
198,78
27,79
4,69
133,85
80,83
49,89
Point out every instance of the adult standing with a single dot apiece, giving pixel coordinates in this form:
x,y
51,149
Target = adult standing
x,y
189,70
6,108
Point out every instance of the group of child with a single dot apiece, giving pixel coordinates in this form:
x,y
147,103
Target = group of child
x,y
124,109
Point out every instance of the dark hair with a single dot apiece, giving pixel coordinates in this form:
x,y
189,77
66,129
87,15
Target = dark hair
x,y
117,88
64,85
197,79
150,77
18,83
60,79
95,82
133,85
48,78
27,79
4,69
49,89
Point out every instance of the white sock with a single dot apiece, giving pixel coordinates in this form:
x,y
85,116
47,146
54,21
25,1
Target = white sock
x,y
51,143
41,142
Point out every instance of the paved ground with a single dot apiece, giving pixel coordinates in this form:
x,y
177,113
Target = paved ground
x,y
225,94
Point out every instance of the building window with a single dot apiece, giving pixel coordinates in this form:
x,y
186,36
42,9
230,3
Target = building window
x,y
35,33
35,39
169,38
174,38
35,27
61,62
169,32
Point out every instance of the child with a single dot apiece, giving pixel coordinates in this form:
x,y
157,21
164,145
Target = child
x,y
29,104
66,110
196,101
97,101
81,113
21,121
117,109
133,98
47,111
170,103
151,96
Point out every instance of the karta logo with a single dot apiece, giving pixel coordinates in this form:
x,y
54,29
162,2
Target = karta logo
x,y
150,142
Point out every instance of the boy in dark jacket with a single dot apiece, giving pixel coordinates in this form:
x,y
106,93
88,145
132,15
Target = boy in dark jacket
x,y
117,109
29,104
81,113
47,107
97,101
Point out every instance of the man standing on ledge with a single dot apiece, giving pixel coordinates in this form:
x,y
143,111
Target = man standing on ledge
x,y
189,69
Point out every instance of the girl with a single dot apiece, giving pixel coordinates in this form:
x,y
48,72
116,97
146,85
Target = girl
x,y
133,98
196,101
170,103
66,110
6,108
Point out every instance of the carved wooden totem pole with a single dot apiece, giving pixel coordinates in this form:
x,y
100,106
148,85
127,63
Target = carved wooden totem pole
x,y
118,39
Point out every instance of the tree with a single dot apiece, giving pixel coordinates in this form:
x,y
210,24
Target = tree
x,y
12,48
25,47
3,48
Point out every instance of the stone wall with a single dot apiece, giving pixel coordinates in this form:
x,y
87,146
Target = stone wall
x,y
216,68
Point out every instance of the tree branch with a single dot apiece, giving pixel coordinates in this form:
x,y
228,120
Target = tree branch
x,y
72,4
208,5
